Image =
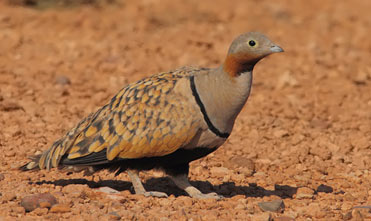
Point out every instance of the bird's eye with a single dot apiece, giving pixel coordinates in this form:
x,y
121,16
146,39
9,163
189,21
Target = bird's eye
x,y
252,43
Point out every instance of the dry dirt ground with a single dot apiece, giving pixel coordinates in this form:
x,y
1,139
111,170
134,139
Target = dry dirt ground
x,y
303,137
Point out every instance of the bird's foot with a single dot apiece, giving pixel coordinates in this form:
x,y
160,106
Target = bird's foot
x,y
155,194
211,195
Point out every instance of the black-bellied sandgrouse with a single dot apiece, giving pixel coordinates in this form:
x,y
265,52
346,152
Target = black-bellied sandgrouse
x,y
164,121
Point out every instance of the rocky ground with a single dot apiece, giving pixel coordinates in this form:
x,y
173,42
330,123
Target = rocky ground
x,y
302,144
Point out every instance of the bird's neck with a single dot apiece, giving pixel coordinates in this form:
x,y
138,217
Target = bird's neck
x,y
237,64
224,95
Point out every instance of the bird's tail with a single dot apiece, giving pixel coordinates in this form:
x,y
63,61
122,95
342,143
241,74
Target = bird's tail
x,y
33,165
53,156
50,158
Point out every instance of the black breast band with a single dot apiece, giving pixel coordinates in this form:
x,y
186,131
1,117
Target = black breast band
x,y
203,110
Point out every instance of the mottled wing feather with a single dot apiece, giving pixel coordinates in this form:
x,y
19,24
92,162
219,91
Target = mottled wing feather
x,y
144,119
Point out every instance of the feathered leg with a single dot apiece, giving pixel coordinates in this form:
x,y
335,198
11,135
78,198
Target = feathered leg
x,y
179,175
139,188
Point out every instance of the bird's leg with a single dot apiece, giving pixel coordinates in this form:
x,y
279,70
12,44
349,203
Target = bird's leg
x,y
139,188
182,182
179,176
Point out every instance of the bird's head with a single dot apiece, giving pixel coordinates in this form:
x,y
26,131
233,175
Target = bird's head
x,y
246,50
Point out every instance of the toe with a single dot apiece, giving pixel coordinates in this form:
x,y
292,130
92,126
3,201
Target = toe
x,y
156,194
209,196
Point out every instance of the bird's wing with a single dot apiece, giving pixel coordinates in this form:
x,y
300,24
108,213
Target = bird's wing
x,y
152,117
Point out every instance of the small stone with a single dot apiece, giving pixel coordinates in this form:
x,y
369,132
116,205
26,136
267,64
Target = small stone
x,y
346,206
219,171
2,177
8,197
324,189
280,133
40,211
321,151
18,210
8,106
240,161
349,197
240,207
114,216
262,217
360,78
10,153
117,197
315,210
45,205
284,218
60,208
347,216
360,142
304,193
107,189
33,201
62,80
74,190
277,206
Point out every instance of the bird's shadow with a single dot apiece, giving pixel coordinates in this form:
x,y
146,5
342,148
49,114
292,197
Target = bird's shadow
x,y
226,189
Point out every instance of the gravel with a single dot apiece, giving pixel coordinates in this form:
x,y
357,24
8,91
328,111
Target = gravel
x,y
303,136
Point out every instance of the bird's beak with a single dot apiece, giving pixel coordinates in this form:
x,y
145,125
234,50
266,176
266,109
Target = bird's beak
x,y
276,49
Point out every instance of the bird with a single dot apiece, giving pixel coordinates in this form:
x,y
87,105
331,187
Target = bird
x,y
163,122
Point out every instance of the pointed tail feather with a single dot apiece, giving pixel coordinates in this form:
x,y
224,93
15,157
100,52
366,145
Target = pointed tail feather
x,y
48,159
33,165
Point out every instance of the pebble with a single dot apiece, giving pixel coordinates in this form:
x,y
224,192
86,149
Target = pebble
x,y
8,106
277,206
60,208
304,193
107,189
280,133
315,210
240,161
284,218
360,142
45,205
219,171
117,197
347,216
346,206
321,152
6,197
114,216
40,211
74,190
360,78
62,80
18,210
262,217
2,177
349,197
33,201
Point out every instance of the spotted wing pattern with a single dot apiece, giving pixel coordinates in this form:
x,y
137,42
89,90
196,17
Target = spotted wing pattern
x,y
147,118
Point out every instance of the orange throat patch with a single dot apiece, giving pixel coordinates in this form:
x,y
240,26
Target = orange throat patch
x,y
235,64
